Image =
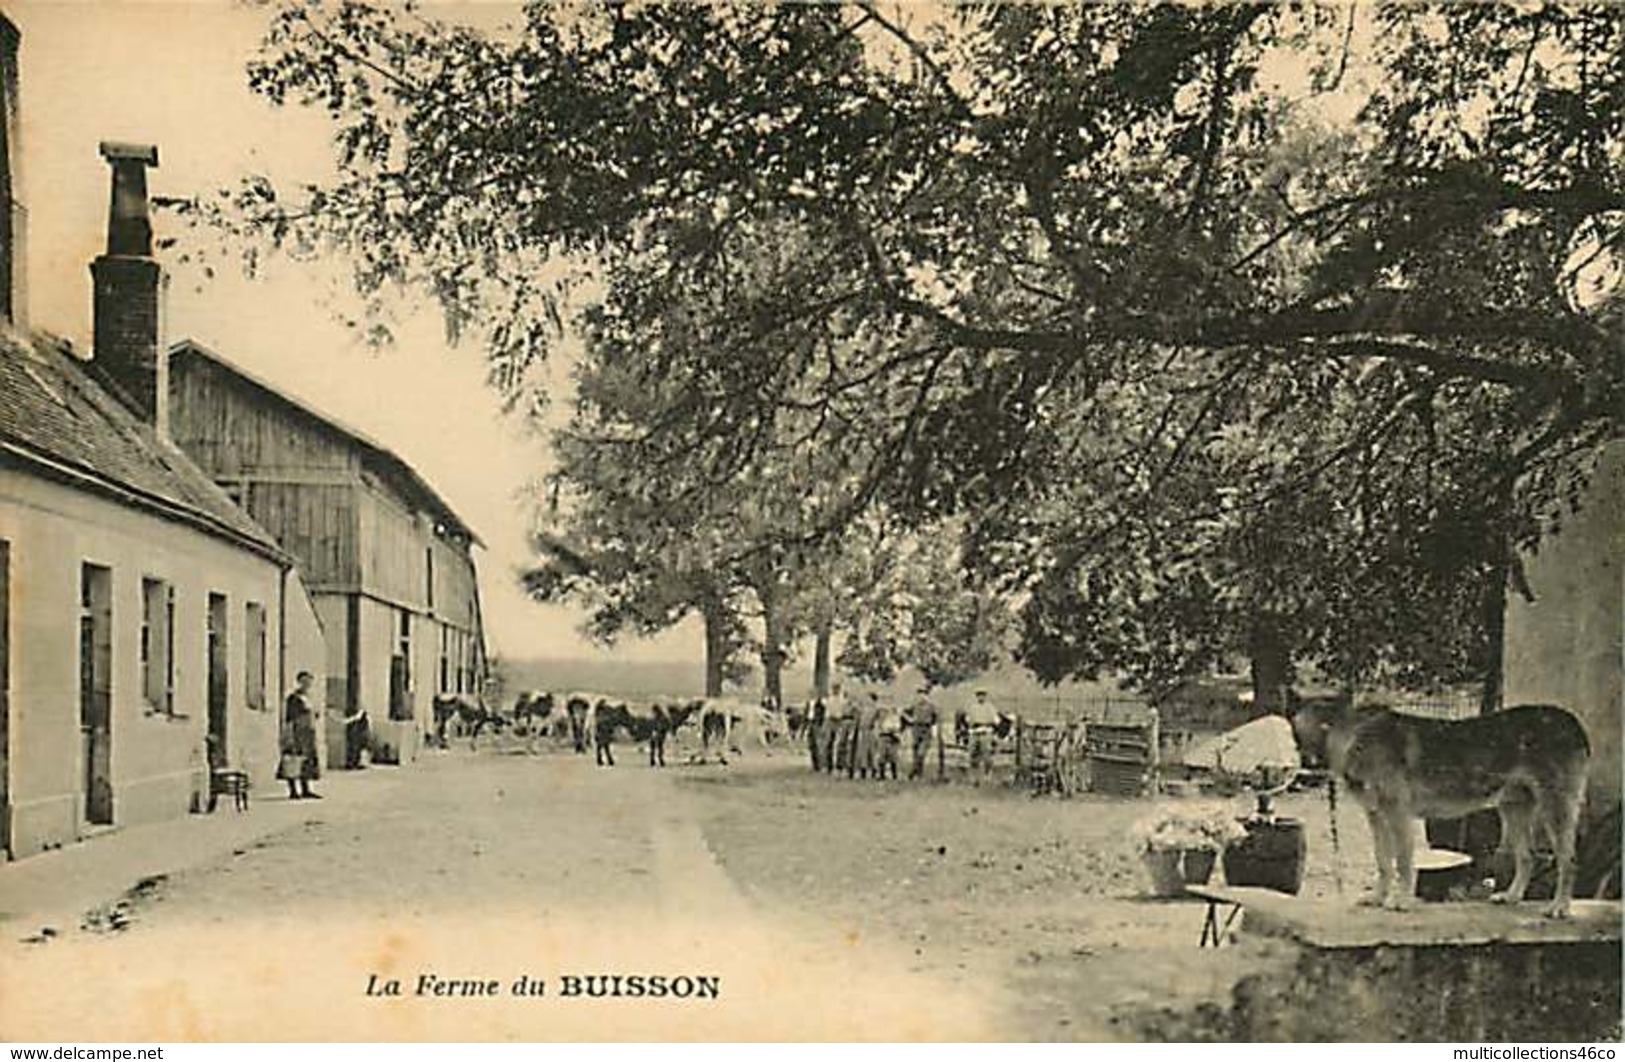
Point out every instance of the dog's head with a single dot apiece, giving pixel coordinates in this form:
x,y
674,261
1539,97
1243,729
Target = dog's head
x,y
1312,721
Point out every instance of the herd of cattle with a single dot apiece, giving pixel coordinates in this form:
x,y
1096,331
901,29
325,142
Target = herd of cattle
x,y
594,721
863,740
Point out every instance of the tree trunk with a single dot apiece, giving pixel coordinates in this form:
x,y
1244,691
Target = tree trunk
x,y
1271,666
1495,629
773,653
716,644
821,662
773,676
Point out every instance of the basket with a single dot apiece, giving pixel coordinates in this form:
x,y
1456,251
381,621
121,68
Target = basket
x,y
1172,869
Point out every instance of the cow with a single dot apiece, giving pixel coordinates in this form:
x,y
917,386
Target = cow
x,y
533,710
724,720
607,717
670,716
581,709
469,713
651,723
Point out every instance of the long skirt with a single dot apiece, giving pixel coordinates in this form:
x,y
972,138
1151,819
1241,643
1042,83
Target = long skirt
x,y
863,748
300,762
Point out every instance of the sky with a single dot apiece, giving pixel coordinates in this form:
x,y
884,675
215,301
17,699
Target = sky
x,y
173,74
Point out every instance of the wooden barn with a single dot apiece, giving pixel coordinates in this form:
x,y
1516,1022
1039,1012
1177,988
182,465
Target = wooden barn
x,y
148,629
386,559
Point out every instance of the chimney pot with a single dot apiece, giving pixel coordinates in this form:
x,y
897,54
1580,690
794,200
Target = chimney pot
x,y
129,226
118,151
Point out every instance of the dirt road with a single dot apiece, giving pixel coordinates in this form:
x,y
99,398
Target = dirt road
x,y
479,869
1044,897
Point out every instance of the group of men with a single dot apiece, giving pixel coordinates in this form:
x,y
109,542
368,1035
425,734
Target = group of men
x,y
863,738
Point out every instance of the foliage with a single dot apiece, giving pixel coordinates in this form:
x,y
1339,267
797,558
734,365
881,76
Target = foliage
x,y
1187,342
923,613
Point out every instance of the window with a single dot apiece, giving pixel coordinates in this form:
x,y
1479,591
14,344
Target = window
x,y
157,644
445,658
254,669
400,671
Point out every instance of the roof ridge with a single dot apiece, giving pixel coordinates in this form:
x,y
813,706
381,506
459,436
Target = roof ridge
x,y
87,431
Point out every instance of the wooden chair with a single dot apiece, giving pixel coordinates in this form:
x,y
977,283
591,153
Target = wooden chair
x,y
230,782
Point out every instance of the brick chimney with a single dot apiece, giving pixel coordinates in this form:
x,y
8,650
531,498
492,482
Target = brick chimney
x,y
129,286
13,218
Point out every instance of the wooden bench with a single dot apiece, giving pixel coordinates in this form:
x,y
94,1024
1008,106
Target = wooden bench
x,y
1235,897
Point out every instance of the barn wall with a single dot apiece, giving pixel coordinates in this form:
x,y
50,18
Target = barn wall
x,y
316,522
454,585
377,635
295,476
1567,647
158,761
425,670
232,429
394,560
333,613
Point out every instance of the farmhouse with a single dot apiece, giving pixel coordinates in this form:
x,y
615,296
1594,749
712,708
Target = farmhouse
x,y
386,559
148,629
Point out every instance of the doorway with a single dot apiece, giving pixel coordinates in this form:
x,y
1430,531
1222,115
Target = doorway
x,y
216,740
400,670
95,692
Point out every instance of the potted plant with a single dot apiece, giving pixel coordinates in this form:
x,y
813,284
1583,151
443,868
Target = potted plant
x,y
1180,843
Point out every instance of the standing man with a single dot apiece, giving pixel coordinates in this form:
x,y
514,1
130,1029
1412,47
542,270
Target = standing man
x,y
299,766
981,718
839,718
921,720
890,736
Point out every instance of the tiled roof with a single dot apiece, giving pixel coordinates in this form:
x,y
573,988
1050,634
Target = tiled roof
x,y
57,416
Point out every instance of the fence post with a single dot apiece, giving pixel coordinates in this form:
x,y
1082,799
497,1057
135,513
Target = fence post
x,y
1155,769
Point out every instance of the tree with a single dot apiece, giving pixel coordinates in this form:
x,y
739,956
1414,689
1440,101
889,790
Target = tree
x,y
671,535
637,567
1014,217
920,611
1361,539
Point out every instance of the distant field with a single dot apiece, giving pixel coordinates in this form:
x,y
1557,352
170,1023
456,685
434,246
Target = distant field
x,y
629,679
1010,687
